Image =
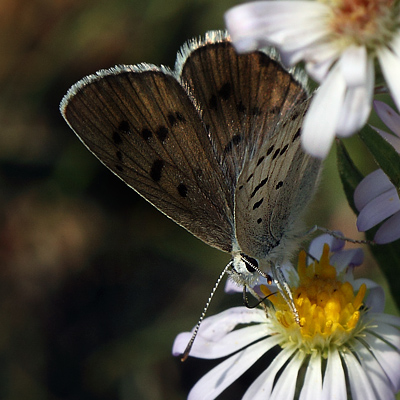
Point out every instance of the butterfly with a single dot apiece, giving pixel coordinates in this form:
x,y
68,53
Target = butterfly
x,y
213,144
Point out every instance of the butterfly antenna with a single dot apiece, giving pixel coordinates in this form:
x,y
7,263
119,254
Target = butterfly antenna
x,y
203,314
285,291
337,235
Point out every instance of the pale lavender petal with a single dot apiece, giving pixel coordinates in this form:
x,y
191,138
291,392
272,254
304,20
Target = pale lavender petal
x,y
286,385
372,186
322,117
261,388
345,258
376,296
388,116
390,138
232,287
334,385
317,245
390,66
382,387
219,378
312,387
378,209
358,99
360,386
389,231
388,358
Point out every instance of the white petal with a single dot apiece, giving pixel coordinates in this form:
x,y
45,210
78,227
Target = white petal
x,y
372,186
214,328
389,231
250,25
379,380
322,117
353,64
361,388
378,209
210,349
219,378
312,387
334,385
261,388
390,65
286,384
357,103
384,330
388,116
388,358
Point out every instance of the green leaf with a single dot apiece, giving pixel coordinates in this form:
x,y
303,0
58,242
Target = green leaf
x,y
348,172
384,154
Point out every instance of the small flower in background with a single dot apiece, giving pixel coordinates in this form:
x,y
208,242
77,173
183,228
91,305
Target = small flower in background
x,y
339,41
376,198
344,347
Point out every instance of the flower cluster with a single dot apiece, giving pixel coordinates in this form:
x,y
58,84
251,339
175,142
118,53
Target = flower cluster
x,y
343,346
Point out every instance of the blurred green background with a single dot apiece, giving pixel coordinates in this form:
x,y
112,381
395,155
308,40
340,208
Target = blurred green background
x,y
94,282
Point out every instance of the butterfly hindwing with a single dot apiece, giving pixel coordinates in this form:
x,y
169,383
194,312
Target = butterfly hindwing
x,y
273,190
242,97
141,123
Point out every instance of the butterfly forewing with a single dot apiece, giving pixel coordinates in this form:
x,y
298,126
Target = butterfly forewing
x,y
141,123
242,98
273,190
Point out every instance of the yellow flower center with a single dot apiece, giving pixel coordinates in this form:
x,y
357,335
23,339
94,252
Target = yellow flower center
x,y
363,22
328,308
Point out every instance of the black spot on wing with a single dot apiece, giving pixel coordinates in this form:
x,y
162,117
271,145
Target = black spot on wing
x,y
269,151
156,169
116,137
297,134
284,148
240,107
258,187
162,133
182,190
258,204
179,116
146,133
250,176
279,185
225,91
260,160
259,220
172,119
277,151
124,127
212,102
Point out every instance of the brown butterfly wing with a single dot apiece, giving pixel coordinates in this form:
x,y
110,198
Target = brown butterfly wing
x,y
141,123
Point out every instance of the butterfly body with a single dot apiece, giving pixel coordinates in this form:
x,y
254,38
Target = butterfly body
x,y
214,144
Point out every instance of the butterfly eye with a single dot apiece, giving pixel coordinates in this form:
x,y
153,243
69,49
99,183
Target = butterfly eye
x,y
250,263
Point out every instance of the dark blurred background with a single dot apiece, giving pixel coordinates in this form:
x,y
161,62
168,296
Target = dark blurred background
x,y
94,282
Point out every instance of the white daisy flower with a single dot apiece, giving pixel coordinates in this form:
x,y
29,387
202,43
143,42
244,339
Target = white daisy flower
x,y
344,346
339,40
